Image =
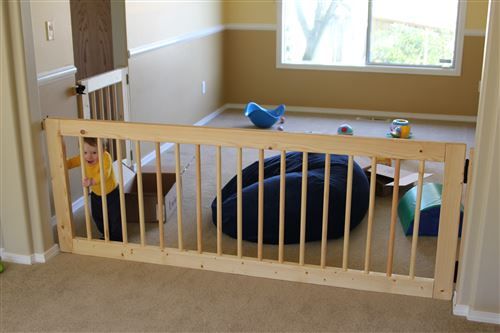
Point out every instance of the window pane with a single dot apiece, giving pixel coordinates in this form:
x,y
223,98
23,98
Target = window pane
x,y
413,33
324,32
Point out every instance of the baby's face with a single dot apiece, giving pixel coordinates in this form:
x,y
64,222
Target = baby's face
x,y
90,154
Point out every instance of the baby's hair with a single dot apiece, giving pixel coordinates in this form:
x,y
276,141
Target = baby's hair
x,y
90,141
93,142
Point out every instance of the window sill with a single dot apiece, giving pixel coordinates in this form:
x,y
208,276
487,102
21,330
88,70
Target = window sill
x,y
376,69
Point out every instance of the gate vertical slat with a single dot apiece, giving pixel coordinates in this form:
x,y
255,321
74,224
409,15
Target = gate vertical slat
x,y
326,204
347,223
371,213
86,206
394,217
281,240
303,208
260,199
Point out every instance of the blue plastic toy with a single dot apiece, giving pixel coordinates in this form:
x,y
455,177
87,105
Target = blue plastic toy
x,y
262,117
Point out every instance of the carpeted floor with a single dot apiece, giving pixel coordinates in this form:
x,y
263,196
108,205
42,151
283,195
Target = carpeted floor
x,y
73,293
78,293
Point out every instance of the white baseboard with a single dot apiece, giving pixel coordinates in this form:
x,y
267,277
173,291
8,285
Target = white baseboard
x,y
78,203
16,258
365,113
47,255
473,315
211,116
29,259
152,155
165,146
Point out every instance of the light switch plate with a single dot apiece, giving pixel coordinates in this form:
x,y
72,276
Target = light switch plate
x,y
49,29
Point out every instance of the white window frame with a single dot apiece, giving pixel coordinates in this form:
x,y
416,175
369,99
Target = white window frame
x,y
455,70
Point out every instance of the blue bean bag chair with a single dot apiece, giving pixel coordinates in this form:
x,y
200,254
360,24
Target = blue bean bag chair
x,y
315,183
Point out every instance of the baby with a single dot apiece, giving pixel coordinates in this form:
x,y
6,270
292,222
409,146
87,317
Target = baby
x,y
93,180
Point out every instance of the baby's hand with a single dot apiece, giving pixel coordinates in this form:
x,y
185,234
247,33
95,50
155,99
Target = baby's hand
x,y
88,182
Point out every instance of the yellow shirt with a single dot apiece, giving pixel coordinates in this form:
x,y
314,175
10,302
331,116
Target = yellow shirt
x,y
93,171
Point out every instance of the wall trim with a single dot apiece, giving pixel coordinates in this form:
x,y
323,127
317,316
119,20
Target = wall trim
x,y
77,204
15,258
251,26
29,259
366,113
472,315
475,32
174,40
219,28
56,74
47,255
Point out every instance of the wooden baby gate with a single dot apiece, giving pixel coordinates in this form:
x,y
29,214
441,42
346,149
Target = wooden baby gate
x,y
452,154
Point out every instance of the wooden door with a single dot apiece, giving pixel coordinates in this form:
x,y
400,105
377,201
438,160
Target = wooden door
x,y
92,37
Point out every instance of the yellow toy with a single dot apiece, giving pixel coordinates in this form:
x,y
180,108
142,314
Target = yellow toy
x,y
400,128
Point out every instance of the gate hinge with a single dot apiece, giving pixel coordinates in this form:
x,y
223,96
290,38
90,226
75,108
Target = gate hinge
x,y
80,89
42,123
466,170
455,272
126,77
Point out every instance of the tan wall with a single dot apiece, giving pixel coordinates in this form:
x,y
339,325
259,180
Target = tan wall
x,y
56,96
149,21
166,84
251,74
57,100
237,11
57,53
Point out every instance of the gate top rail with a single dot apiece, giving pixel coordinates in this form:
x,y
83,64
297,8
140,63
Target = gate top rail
x,y
253,138
103,80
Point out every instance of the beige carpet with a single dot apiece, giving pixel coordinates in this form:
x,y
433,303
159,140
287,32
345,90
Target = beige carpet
x,y
73,293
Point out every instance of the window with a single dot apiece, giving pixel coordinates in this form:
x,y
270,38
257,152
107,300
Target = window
x,y
411,36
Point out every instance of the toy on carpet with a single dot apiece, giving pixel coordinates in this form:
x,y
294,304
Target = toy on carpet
x,y
1,267
345,129
262,117
429,210
400,128
384,160
293,185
